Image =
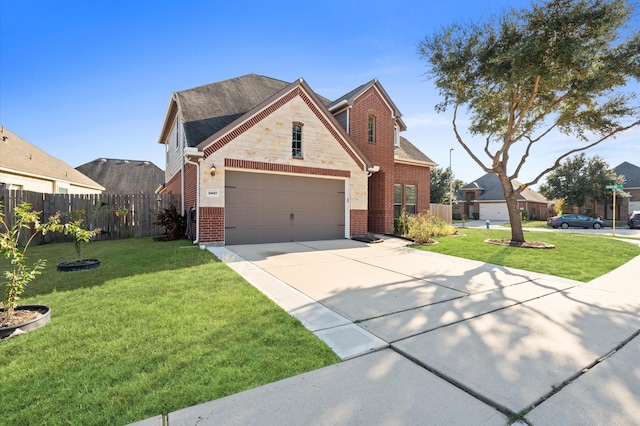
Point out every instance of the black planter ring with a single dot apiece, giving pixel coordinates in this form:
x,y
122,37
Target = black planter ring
x,y
78,265
31,325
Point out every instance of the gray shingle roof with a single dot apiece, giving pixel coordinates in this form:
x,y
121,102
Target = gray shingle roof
x,y
631,173
408,152
352,95
492,190
207,109
124,176
16,154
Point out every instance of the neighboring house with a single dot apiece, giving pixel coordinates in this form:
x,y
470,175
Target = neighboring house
x,y
26,167
631,173
262,160
484,198
124,176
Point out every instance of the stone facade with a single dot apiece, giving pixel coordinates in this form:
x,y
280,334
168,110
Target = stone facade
x,y
266,146
335,145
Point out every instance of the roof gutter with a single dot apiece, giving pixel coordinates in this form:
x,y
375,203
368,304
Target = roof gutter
x,y
342,104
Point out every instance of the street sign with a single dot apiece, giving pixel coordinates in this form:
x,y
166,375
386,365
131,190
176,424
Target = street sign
x,y
614,186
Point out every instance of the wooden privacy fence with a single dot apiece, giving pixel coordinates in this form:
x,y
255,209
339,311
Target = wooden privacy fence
x,y
118,216
443,211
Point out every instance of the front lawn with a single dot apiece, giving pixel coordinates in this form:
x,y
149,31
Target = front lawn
x,y
579,257
530,224
158,327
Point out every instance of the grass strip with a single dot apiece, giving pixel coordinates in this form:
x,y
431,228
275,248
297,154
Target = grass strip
x,y
578,257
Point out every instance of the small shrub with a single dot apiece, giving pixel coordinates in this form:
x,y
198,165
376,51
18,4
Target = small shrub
x,y
523,215
174,223
476,215
423,227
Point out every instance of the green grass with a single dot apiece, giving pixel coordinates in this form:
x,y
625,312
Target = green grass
x,y
579,257
529,224
155,329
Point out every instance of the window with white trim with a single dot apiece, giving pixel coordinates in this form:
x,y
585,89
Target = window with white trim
x,y
296,140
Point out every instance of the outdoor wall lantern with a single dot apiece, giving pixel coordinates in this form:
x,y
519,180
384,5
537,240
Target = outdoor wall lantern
x,y
212,170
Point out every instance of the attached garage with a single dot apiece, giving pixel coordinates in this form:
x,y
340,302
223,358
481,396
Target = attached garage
x,y
494,211
267,208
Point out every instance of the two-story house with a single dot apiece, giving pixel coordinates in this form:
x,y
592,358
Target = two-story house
x,y
262,160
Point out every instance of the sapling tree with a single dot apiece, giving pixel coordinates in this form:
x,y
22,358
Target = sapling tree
x,y
557,67
20,273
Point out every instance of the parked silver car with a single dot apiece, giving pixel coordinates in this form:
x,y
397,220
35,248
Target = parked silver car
x,y
575,220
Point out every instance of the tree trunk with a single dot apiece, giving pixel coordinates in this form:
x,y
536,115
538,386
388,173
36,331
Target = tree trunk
x,y
511,197
517,234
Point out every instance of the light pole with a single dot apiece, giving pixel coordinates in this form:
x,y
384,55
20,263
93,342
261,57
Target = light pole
x,y
450,186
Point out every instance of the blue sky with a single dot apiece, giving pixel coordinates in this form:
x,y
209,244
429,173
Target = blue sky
x,y
90,79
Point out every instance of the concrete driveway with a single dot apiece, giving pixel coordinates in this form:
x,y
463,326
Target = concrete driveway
x,y
434,339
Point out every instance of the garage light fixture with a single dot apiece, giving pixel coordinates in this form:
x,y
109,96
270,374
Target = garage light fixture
x,y
212,170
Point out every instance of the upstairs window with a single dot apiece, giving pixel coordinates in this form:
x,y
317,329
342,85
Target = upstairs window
x,y
371,137
396,137
296,140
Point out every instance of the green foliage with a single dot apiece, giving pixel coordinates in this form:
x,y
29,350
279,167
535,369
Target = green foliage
x,y
558,66
120,349
440,185
524,215
174,223
423,227
19,273
75,228
579,180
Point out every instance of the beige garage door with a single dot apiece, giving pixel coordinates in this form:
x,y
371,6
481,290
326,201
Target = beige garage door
x,y
264,208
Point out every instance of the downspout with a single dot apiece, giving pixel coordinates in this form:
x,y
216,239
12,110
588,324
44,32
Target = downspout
x,y
197,198
348,121
181,144
188,155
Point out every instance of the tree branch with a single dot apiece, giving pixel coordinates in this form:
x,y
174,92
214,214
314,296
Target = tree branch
x,y
464,145
531,142
573,151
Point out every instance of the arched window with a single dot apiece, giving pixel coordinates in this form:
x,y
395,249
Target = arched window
x,y
372,129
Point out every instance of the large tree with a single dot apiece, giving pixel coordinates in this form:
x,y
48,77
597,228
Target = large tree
x,y
441,185
558,66
579,180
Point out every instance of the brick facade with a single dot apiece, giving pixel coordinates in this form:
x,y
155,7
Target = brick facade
x,y
379,153
173,185
358,219
211,224
263,143
406,174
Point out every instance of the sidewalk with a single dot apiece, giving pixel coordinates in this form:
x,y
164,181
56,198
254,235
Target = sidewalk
x,y
432,339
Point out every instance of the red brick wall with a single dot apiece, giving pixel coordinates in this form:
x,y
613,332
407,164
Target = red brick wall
x,y
211,224
173,186
380,153
358,222
418,176
190,189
